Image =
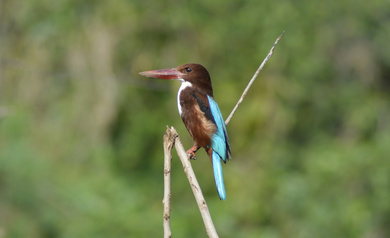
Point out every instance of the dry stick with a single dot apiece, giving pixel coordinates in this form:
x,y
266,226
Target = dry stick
x,y
172,138
169,141
210,228
204,210
253,79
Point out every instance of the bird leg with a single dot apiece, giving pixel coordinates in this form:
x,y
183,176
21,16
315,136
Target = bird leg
x,y
191,152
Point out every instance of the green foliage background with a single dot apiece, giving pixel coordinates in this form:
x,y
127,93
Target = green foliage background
x,y
81,132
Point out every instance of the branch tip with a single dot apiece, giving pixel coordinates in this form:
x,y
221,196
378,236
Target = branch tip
x,y
253,79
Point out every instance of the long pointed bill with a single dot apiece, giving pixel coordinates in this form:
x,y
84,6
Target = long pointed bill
x,y
162,74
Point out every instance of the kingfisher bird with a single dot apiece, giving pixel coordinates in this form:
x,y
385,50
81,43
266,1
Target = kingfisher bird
x,y
200,114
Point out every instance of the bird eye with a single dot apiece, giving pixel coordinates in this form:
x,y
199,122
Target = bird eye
x,y
188,69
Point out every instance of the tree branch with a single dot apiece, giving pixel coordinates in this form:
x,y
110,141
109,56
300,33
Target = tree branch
x,y
169,141
172,138
203,208
253,79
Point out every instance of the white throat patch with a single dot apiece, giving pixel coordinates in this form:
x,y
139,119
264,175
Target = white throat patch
x,y
184,85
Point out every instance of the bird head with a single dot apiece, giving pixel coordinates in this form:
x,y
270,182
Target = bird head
x,y
195,74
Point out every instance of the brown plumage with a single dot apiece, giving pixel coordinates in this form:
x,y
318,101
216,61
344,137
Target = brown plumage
x,y
200,127
200,114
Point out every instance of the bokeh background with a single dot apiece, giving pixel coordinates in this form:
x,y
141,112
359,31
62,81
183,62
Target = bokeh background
x,y
81,132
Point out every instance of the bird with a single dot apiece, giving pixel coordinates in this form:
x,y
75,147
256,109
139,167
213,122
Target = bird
x,y
200,114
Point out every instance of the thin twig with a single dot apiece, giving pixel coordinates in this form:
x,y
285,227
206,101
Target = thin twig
x,y
253,79
203,208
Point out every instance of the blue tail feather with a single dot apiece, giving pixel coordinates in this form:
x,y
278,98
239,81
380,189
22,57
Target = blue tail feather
x,y
220,146
218,175
219,140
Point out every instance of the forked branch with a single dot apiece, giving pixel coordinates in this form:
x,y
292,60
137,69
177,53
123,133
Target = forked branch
x,y
172,138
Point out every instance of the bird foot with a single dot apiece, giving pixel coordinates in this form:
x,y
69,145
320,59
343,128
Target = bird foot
x,y
191,152
191,155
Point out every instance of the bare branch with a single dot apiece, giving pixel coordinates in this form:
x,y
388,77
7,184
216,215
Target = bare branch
x,y
253,79
169,141
203,208
172,138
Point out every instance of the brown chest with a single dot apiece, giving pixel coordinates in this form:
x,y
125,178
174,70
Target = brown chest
x,y
197,123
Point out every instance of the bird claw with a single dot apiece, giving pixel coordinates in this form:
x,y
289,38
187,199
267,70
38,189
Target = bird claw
x,y
191,152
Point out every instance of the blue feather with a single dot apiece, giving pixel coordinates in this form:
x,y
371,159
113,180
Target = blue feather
x,y
220,140
218,175
220,146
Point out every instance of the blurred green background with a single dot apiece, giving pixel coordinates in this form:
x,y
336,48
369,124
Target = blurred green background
x,y
81,132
